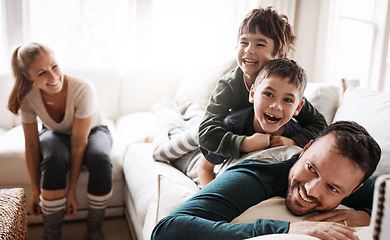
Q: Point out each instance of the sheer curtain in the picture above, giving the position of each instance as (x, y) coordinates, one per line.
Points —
(120, 33)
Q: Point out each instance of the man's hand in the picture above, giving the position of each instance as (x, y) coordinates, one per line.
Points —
(351, 218)
(257, 141)
(323, 230)
(277, 141)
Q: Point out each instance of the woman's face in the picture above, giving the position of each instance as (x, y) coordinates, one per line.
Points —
(45, 73)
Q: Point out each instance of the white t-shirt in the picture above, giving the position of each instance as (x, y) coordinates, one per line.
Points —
(81, 102)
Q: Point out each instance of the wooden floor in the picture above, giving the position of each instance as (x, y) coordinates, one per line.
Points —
(113, 229)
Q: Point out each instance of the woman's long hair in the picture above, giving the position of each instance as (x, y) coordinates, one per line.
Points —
(22, 58)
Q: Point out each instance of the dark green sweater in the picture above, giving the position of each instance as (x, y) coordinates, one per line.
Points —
(231, 95)
(207, 215)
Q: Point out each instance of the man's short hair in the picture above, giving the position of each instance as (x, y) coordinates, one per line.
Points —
(355, 143)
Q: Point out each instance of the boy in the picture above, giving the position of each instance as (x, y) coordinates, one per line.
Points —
(263, 35)
(277, 96)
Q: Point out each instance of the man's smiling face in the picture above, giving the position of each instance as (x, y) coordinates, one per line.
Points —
(321, 178)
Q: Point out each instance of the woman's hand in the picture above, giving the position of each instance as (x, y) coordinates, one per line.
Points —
(71, 204)
(35, 208)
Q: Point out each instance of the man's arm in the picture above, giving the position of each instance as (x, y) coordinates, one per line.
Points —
(209, 212)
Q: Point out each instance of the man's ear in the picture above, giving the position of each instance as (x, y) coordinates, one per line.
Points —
(299, 107)
(305, 148)
(252, 94)
(361, 185)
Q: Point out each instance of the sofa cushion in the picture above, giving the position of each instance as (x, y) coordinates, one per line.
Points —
(371, 110)
(200, 80)
(170, 195)
(107, 82)
(325, 97)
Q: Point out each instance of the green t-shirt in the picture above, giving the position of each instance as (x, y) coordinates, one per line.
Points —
(231, 94)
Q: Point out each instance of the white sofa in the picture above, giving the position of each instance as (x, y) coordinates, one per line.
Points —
(146, 190)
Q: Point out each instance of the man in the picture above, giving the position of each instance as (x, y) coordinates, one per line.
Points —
(332, 169)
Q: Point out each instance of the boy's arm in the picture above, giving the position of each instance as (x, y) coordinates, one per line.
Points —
(312, 122)
(229, 95)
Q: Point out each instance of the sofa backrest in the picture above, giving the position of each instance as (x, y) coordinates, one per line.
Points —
(371, 109)
(7, 119)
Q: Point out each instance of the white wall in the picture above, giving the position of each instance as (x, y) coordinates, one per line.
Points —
(310, 27)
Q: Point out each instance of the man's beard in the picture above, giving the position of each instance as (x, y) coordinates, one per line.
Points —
(293, 205)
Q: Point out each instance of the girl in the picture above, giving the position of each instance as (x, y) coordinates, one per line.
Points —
(72, 135)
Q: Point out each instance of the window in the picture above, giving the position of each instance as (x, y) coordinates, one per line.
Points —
(358, 42)
(122, 33)
(3, 54)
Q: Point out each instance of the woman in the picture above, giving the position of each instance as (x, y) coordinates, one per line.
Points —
(72, 135)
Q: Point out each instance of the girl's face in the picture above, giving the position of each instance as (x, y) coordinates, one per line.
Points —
(275, 101)
(45, 73)
(253, 51)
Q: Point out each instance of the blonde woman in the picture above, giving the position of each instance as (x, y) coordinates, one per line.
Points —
(72, 135)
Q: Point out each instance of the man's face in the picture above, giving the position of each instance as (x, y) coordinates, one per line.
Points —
(321, 178)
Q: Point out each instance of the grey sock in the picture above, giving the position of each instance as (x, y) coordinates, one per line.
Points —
(94, 223)
(53, 225)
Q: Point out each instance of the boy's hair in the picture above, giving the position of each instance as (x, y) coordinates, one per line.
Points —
(354, 142)
(284, 67)
(272, 25)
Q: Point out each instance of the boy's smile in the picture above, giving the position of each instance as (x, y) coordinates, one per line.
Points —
(253, 51)
(275, 102)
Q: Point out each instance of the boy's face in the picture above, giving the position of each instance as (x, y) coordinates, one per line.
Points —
(275, 102)
(253, 51)
(321, 178)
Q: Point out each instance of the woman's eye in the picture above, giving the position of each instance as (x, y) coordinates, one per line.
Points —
(55, 66)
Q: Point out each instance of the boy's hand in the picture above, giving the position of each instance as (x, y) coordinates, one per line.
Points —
(277, 141)
(257, 141)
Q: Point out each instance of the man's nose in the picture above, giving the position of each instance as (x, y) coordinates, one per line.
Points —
(313, 188)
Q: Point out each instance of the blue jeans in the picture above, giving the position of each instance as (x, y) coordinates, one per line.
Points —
(56, 160)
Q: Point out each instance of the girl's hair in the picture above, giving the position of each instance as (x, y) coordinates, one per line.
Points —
(22, 58)
(273, 25)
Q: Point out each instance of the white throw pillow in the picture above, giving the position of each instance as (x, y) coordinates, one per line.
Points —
(200, 81)
(371, 109)
(325, 97)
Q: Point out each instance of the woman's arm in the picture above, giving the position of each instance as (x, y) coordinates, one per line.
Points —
(79, 140)
(33, 162)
